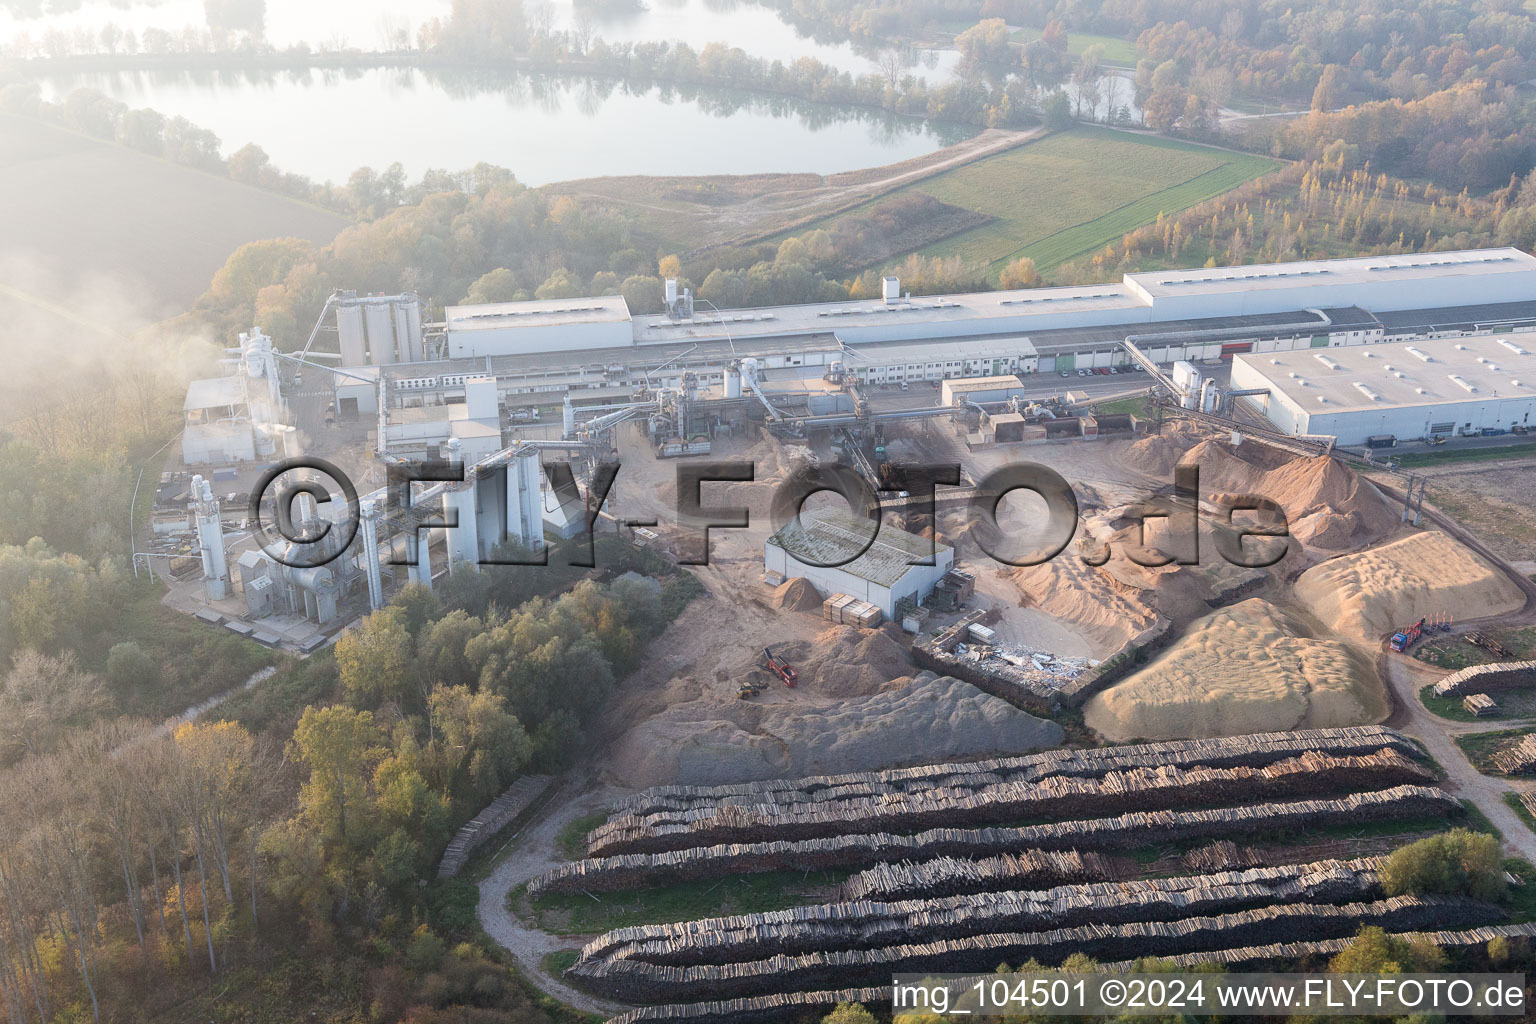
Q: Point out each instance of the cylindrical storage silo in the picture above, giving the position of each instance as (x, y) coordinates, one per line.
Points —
(349, 329)
(381, 333)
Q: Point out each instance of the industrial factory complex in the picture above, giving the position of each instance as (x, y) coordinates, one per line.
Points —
(1409, 346)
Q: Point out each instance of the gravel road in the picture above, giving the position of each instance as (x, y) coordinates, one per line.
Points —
(533, 852)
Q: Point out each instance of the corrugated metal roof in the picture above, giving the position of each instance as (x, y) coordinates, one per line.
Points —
(828, 534)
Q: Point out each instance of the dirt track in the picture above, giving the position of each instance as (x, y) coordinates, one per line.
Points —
(1405, 677)
(535, 853)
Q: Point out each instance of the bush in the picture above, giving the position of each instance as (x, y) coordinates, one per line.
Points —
(425, 951)
(849, 1013)
(129, 669)
(1458, 862)
(451, 905)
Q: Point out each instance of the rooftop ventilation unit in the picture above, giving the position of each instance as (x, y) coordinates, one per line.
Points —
(1450, 261)
(1035, 299)
(890, 289)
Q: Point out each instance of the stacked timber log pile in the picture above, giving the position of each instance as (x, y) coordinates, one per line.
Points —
(1501, 675)
(953, 876)
(642, 981)
(857, 849)
(1060, 796)
(781, 1006)
(865, 924)
(1222, 855)
(1251, 751)
(513, 801)
(1518, 758)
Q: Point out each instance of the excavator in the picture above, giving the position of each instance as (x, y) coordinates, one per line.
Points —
(780, 668)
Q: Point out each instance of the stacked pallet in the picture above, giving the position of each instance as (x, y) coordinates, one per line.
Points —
(832, 607)
(1518, 758)
(856, 850)
(864, 924)
(505, 809)
(641, 981)
(1254, 750)
(1161, 787)
(787, 1005)
(953, 876)
(1482, 678)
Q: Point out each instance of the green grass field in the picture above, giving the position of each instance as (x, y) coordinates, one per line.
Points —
(1439, 458)
(1070, 194)
(1114, 50)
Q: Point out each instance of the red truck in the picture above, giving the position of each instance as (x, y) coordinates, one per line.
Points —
(780, 668)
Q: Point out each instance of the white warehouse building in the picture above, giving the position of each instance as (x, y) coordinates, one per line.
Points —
(882, 575)
(600, 353)
(544, 325)
(1406, 390)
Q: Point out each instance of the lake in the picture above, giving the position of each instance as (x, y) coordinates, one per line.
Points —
(389, 24)
(544, 128)
(325, 124)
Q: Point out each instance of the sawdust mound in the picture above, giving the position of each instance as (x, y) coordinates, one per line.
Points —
(1368, 594)
(1091, 600)
(1243, 669)
(1157, 454)
(843, 661)
(1326, 503)
(796, 595)
(932, 719)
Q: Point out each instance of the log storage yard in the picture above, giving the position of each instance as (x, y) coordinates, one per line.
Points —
(728, 511)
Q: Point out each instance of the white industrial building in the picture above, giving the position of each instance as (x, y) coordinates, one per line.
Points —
(518, 328)
(981, 389)
(600, 353)
(1406, 390)
(882, 575)
(238, 418)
